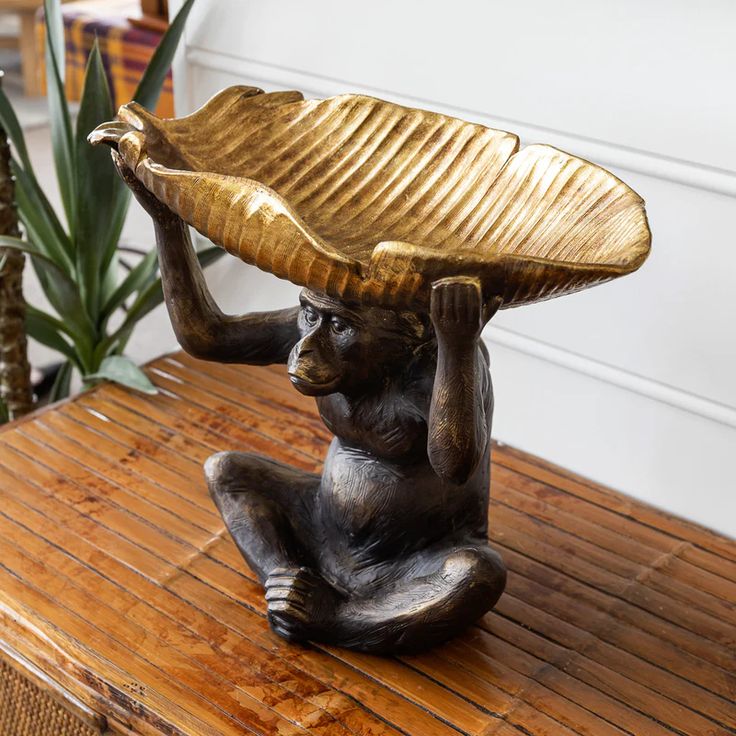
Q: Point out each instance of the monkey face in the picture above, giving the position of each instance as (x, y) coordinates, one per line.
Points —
(344, 349)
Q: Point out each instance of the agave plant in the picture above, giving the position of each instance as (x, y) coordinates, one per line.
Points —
(97, 300)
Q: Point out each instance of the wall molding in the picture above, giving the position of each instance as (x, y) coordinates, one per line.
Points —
(689, 173)
(646, 387)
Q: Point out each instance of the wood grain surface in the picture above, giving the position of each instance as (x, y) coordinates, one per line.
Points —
(118, 582)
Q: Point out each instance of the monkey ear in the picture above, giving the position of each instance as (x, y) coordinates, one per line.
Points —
(490, 308)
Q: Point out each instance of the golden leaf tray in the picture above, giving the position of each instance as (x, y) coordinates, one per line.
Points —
(370, 201)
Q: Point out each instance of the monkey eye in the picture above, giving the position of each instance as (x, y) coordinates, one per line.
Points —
(339, 327)
(310, 316)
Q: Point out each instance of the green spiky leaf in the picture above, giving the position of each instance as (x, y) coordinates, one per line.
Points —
(62, 383)
(124, 371)
(49, 331)
(147, 300)
(148, 94)
(137, 279)
(62, 138)
(60, 290)
(152, 82)
(39, 219)
(97, 182)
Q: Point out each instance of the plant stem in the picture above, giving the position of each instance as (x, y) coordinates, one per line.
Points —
(15, 372)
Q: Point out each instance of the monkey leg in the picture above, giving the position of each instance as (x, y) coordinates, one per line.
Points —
(423, 602)
(266, 506)
(443, 592)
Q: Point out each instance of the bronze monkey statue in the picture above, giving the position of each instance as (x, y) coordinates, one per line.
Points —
(387, 551)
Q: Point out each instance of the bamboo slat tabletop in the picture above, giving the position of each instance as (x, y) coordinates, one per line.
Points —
(119, 582)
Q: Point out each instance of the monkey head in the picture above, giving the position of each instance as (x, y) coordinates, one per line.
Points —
(348, 348)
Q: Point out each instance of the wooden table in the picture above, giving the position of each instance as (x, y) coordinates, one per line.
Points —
(121, 593)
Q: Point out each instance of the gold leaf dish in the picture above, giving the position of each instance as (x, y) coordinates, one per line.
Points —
(369, 201)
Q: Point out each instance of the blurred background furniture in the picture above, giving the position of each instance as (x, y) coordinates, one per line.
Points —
(128, 32)
(26, 11)
(155, 13)
(123, 597)
(127, 41)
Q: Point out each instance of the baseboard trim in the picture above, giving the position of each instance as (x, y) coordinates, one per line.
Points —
(645, 387)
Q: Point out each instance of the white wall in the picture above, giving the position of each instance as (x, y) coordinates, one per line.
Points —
(632, 383)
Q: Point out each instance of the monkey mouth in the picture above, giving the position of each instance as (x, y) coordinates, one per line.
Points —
(313, 387)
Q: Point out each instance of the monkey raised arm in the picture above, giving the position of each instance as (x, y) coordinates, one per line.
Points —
(462, 395)
(200, 326)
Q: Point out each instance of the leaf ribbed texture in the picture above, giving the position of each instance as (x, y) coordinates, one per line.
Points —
(371, 201)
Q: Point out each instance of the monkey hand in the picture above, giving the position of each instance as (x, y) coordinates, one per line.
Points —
(457, 309)
(150, 203)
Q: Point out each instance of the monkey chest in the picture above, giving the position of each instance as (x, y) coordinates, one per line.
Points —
(368, 500)
(390, 430)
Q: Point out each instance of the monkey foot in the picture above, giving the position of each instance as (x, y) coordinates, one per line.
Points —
(301, 604)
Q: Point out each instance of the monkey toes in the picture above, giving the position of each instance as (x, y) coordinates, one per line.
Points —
(301, 604)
